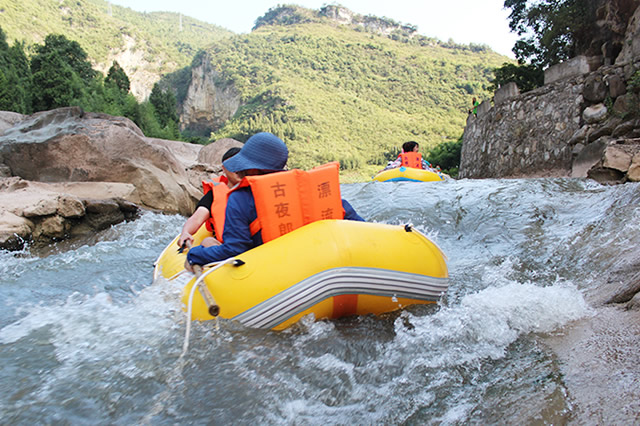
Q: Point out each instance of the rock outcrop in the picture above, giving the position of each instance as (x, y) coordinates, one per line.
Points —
(69, 145)
(208, 103)
(43, 212)
(66, 172)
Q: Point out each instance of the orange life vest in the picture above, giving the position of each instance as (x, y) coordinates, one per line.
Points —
(285, 201)
(411, 159)
(215, 223)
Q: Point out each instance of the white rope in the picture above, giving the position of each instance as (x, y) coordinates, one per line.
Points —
(185, 346)
(208, 265)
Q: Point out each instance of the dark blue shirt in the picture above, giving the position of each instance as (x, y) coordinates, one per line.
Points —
(241, 211)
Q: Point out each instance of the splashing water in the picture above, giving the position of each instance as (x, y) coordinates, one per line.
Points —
(86, 337)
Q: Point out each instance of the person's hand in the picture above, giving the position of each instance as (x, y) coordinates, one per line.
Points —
(184, 237)
(188, 266)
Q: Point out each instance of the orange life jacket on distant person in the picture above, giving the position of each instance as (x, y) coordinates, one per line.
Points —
(215, 223)
(285, 201)
(411, 159)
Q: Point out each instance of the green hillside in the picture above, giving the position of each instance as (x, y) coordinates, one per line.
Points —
(333, 91)
(337, 93)
(103, 30)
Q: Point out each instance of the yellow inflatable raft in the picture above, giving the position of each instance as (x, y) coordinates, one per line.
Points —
(330, 268)
(408, 174)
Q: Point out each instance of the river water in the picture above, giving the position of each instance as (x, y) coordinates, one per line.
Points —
(87, 338)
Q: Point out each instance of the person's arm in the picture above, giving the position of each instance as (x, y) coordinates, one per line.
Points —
(394, 164)
(192, 225)
(199, 216)
(349, 212)
(237, 235)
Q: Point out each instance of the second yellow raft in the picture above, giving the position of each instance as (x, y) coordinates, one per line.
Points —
(399, 174)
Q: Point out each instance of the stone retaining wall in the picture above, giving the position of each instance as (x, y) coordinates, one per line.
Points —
(545, 131)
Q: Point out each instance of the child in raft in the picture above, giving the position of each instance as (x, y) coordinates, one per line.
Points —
(410, 157)
(263, 153)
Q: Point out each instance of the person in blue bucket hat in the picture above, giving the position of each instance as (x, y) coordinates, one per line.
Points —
(262, 153)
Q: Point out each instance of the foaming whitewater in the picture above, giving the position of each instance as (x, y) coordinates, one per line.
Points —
(86, 337)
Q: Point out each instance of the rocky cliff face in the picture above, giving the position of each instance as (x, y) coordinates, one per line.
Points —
(209, 102)
(344, 16)
(133, 60)
(585, 121)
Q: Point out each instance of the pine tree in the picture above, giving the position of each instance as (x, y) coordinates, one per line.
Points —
(61, 73)
(164, 103)
(118, 78)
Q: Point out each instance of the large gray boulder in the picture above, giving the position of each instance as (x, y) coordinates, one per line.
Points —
(211, 154)
(69, 145)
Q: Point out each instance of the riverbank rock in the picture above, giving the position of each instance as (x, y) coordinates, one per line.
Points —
(609, 161)
(44, 212)
(69, 145)
(65, 172)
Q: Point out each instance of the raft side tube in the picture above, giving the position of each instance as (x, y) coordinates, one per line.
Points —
(302, 271)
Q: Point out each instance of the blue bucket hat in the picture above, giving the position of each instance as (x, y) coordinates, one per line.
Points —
(262, 151)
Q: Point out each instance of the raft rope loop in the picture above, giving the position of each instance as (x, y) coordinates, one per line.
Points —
(199, 282)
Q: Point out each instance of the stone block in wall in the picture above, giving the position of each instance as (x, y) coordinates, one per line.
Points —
(623, 128)
(627, 103)
(508, 91)
(634, 170)
(579, 135)
(615, 157)
(595, 89)
(571, 68)
(631, 43)
(483, 108)
(606, 176)
(588, 158)
(594, 113)
(616, 86)
(595, 62)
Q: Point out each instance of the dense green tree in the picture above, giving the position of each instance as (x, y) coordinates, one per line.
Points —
(551, 30)
(447, 156)
(527, 77)
(61, 74)
(164, 103)
(53, 83)
(118, 78)
(16, 77)
(4, 46)
(69, 52)
(21, 78)
(6, 103)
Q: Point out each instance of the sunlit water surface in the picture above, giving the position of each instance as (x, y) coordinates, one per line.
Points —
(86, 337)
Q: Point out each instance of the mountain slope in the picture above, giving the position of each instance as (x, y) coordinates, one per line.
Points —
(146, 45)
(336, 93)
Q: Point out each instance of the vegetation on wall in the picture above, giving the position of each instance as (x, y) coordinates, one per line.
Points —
(551, 31)
(527, 77)
(447, 156)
